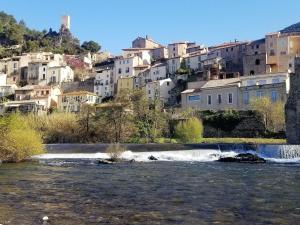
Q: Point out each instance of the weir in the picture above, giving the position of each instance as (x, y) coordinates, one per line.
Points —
(174, 152)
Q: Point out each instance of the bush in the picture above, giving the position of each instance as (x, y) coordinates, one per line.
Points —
(18, 140)
(115, 151)
(189, 131)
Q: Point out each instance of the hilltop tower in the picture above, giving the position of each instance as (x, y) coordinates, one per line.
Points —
(65, 22)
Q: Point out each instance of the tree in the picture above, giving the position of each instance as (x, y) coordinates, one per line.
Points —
(91, 46)
(189, 131)
(272, 113)
(150, 120)
(18, 140)
(115, 120)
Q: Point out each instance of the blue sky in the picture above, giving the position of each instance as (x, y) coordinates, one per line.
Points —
(115, 23)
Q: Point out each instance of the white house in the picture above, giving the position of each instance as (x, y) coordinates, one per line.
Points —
(130, 67)
(160, 89)
(43, 72)
(3, 77)
(103, 84)
(174, 64)
(59, 74)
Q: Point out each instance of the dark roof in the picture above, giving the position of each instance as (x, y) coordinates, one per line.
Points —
(295, 28)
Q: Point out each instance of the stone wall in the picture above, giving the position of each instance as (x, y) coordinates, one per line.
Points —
(292, 107)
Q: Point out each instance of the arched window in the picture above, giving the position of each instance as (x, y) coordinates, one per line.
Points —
(252, 72)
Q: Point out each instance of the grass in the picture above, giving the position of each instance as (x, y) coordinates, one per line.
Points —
(227, 141)
(244, 140)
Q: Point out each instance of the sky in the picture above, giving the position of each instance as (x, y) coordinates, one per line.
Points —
(115, 23)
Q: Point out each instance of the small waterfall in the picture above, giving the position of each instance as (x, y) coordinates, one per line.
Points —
(289, 151)
(280, 151)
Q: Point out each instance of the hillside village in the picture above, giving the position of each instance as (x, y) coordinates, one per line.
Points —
(183, 74)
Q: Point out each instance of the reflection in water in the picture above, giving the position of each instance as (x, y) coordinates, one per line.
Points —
(82, 192)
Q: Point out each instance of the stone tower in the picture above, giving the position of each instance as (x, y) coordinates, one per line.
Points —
(65, 22)
(292, 107)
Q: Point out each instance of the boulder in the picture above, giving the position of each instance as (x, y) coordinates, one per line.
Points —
(152, 158)
(243, 158)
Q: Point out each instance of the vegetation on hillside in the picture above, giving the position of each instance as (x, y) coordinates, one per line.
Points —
(16, 38)
(18, 140)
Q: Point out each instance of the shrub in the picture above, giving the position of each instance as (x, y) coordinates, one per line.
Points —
(18, 140)
(189, 131)
(115, 151)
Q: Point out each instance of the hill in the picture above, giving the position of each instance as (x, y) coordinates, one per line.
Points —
(16, 38)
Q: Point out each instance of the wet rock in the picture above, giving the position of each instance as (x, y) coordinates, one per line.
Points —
(132, 161)
(152, 158)
(243, 158)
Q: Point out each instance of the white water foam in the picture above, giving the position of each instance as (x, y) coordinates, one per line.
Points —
(182, 155)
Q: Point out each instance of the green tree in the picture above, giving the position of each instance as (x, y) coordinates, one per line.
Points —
(115, 119)
(18, 140)
(189, 131)
(91, 46)
(150, 120)
(272, 113)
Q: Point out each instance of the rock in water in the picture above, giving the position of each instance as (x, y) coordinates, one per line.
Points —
(152, 158)
(243, 158)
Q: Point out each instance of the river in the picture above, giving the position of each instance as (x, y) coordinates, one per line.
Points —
(74, 189)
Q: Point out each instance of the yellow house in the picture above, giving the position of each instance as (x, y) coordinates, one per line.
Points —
(281, 50)
(125, 83)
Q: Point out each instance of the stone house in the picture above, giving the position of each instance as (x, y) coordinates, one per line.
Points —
(254, 60)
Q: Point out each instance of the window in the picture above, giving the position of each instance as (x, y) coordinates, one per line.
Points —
(262, 82)
(15, 65)
(219, 98)
(257, 46)
(194, 98)
(257, 62)
(106, 82)
(168, 83)
(272, 52)
(260, 94)
(230, 98)
(208, 99)
(44, 76)
(290, 65)
(149, 92)
(44, 69)
(120, 71)
(169, 92)
(250, 82)
(47, 92)
(275, 80)
(274, 96)
(127, 70)
(246, 98)
(252, 72)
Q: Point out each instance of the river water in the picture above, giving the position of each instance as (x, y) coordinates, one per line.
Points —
(74, 189)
